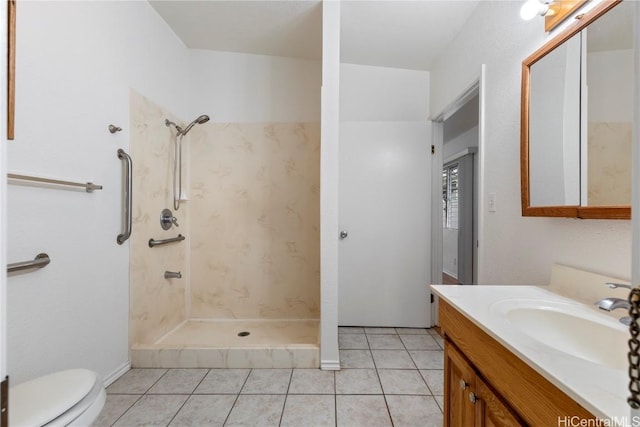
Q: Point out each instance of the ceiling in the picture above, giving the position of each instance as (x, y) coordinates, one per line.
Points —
(279, 28)
(402, 34)
(391, 33)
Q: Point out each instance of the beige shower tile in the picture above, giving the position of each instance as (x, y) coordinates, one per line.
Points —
(309, 410)
(300, 358)
(609, 163)
(151, 147)
(256, 259)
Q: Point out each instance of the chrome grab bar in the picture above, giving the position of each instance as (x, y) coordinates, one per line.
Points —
(128, 196)
(153, 242)
(88, 186)
(41, 260)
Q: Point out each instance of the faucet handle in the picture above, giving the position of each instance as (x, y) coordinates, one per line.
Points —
(612, 285)
(167, 218)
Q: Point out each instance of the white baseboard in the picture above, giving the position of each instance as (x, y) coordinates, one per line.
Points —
(330, 365)
(111, 378)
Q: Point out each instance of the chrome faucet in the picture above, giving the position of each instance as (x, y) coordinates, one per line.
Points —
(612, 303)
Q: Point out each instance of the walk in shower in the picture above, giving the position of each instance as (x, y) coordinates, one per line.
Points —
(249, 292)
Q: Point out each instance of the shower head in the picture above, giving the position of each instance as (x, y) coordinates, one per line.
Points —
(200, 120)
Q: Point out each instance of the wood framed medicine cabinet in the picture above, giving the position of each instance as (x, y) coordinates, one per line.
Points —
(556, 179)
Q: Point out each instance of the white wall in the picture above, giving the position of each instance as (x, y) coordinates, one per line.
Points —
(369, 93)
(75, 64)
(450, 252)
(459, 143)
(329, 167)
(516, 249)
(244, 88)
(610, 97)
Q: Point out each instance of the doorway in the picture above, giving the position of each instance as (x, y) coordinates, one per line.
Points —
(384, 184)
(457, 136)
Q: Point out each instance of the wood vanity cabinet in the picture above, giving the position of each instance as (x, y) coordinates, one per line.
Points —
(487, 385)
(469, 401)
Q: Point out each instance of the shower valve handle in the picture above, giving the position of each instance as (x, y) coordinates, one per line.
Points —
(167, 218)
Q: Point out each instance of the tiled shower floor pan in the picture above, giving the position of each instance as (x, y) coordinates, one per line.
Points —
(225, 344)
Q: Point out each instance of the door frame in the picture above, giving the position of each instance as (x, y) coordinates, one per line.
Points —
(477, 87)
(4, 379)
(3, 207)
(635, 170)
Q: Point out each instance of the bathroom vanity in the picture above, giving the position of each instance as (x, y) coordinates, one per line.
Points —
(522, 355)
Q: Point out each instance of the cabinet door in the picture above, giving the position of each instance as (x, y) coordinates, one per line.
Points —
(490, 410)
(459, 381)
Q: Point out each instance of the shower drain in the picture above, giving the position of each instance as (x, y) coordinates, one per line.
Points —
(243, 333)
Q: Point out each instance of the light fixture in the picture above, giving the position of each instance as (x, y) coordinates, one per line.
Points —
(533, 8)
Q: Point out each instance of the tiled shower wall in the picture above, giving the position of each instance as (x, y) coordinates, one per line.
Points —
(157, 305)
(255, 221)
(252, 222)
(609, 163)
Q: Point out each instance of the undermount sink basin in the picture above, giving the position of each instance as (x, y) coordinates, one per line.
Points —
(571, 328)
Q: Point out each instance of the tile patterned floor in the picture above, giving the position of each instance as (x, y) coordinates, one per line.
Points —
(389, 377)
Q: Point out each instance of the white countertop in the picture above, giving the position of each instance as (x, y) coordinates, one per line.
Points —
(600, 389)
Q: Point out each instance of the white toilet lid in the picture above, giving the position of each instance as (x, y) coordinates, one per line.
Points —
(37, 402)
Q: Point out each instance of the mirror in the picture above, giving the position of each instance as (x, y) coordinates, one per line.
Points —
(576, 119)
